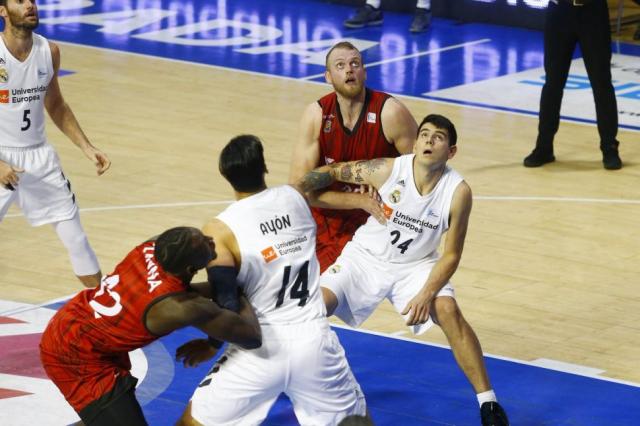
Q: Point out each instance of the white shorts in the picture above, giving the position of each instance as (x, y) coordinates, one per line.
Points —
(43, 193)
(360, 282)
(305, 361)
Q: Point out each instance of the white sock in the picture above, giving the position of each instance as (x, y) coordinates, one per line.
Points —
(375, 3)
(488, 396)
(422, 4)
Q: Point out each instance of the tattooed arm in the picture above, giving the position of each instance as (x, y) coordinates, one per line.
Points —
(372, 172)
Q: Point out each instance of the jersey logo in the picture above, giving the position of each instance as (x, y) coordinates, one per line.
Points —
(327, 160)
(42, 74)
(387, 211)
(371, 117)
(432, 213)
(394, 197)
(4, 96)
(327, 126)
(2, 62)
(334, 269)
(269, 254)
(4, 75)
(401, 182)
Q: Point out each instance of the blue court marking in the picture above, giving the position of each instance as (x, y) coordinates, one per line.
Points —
(411, 383)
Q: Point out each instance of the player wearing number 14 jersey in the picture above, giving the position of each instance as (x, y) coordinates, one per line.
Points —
(268, 237)
(423, 200)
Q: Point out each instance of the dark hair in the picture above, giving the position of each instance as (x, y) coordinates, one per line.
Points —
(242, 163)
(441, 122)
(176, 248)
(340, 45)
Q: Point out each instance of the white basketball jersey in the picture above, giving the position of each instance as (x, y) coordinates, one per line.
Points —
(23, 86)
(279, 270)
(415, 223)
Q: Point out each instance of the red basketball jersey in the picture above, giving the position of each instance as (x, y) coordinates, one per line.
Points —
(365, 142)
(86, 344)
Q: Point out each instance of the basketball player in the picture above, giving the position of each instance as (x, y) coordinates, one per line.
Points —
(84, 349)
(30, 173)
(351, 123)
(267, 239)
(422, 199)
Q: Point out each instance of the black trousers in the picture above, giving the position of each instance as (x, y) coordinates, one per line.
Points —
(565, 26)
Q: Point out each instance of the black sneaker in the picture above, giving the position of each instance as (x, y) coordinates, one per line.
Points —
(365, 15)
(492, 414)
(421, 20)
(611, 159)
(539, 157)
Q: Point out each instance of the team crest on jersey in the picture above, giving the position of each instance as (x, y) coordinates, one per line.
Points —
(4, 96)
(269, 254)
(371, 117)
(334, 269)
(394, 197)
(327, 125)
(4, 75)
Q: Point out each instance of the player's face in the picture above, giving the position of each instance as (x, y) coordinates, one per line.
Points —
(346, 72)
(432, 145)
(21, 14)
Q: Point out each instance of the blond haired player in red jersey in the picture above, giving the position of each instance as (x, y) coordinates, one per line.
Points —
(351, 123)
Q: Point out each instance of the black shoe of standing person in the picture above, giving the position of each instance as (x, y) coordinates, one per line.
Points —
(539, 157)
(421, 20)
(611, 158)
(492, 414)
(365, 15)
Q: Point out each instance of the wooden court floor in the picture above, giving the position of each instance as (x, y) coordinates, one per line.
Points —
(551, 267)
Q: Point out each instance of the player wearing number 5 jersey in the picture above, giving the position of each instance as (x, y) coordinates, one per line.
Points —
(30, 172)
(268, 237)
(422, 198)
(85, 348)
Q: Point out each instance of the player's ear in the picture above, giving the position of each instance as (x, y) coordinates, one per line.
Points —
(452, 151)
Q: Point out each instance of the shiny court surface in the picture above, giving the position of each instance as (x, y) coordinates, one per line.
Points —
(550, 271)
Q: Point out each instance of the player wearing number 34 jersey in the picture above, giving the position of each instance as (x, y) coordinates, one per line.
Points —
(269, 237)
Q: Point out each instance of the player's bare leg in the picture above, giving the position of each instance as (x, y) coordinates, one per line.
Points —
(463, 341)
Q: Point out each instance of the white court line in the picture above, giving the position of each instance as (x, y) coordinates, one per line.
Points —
(477, 197)
(413, 55)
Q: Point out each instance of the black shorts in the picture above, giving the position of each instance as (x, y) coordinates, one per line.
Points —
(118, 407)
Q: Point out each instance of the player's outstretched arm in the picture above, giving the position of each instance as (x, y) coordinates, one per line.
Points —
(363, 172)
(418, 307)
(65, 120)
(189, 308)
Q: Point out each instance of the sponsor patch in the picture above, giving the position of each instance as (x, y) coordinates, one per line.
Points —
(371, 117)
(269, 254)
(4, 96)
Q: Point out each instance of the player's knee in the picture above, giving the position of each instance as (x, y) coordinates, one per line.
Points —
(330, 300)
(446, 310)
